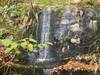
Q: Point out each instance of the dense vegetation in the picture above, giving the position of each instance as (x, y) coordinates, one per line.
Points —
(13, 40)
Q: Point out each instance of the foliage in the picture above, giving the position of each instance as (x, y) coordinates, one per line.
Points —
(27, 44)
(11, 18)
(5, 59)
(16, 51)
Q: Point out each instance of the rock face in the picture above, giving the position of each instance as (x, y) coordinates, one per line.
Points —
(68, 36)
(97, 2)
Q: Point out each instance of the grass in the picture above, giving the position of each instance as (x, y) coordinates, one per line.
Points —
(49, 2)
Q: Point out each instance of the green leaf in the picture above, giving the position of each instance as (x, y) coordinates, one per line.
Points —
(39, 46)
(6, 42)
(30, 47)
(32, 40)
(35, 45)
(14, 45)
(8, 50)
(49, 43)
(23, 40)
(17, 52)
(24, 45)
(45, 45)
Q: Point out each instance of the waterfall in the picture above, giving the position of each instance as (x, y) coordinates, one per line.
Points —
(45, 32)
(61, 30)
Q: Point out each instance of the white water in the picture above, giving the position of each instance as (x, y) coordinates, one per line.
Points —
(45, 32)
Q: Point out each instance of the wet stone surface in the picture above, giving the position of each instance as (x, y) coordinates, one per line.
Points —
(69, 37)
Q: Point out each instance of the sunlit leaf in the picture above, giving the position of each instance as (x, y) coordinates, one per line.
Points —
(39, 46)
(8, 50)
(30, 47)
(14, 45)
(32, 40)
(6, 42)
(17, 52)
(24, 45)
(44, 45)
(49, 43)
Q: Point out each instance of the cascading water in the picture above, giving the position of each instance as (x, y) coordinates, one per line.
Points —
(45, 32)
(66, 28)
(46, 54)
